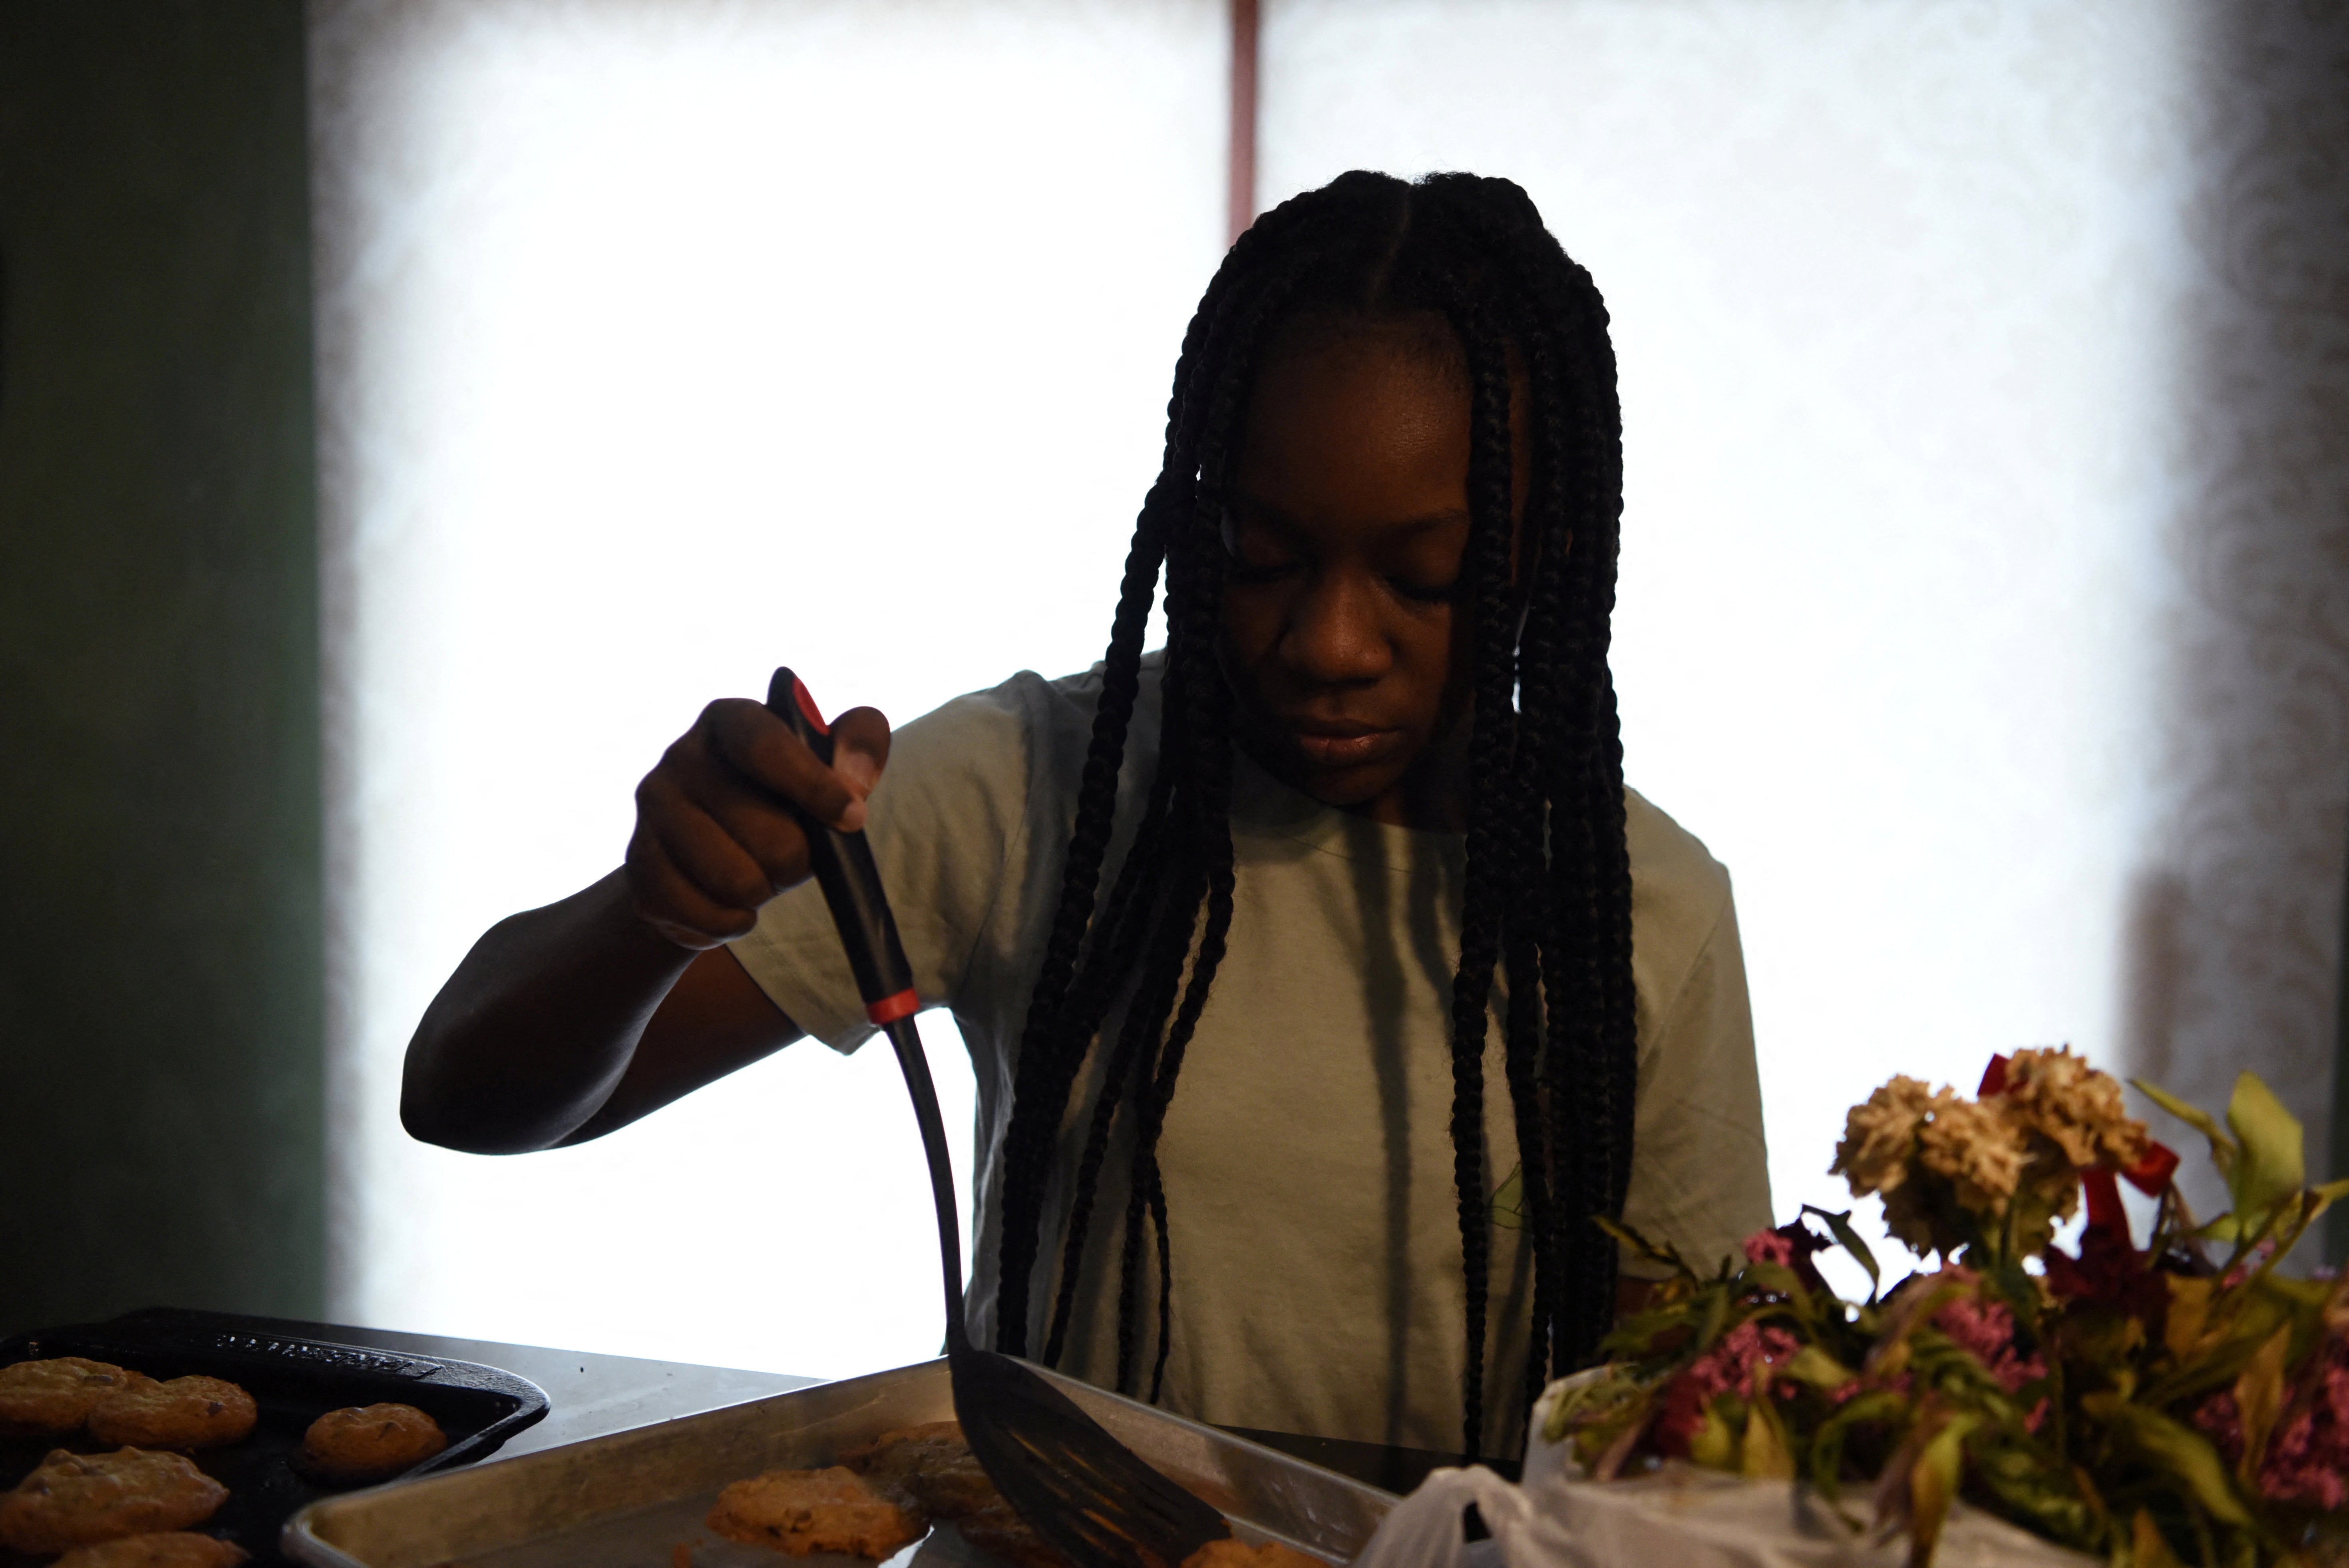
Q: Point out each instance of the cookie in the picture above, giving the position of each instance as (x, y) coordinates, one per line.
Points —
(1231, 1553)
(79, 1500)
(805, 1511)
(184, 1413)
(54, 1397)
(930, 1467)
(174, 1550)
(370, 1442)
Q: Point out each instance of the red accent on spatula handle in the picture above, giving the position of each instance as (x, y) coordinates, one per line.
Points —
(843, 863)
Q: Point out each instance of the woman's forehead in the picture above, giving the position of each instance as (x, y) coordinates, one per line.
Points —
(1422, 337)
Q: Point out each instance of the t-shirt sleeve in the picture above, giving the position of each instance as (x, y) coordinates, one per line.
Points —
(944, 822)
(1700, 1173)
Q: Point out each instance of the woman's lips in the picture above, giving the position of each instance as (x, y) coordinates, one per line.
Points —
(1342, 745)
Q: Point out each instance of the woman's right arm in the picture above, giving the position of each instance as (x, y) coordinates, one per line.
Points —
(566, 1021)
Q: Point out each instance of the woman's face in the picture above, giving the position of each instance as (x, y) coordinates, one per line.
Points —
(1345, 650)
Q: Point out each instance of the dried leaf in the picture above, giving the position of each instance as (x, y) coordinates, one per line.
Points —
(1849, 1239)
(2185, 1454)
(2189, 1311)
(1509, 1206)
(1714, 1445)
(2148, 1548)
(1640, 1245)
(1826, 1448)
(1611, 1459)
(2270, 1167)
(1815, 1366)
(1934, 1486)
(1766, 1454)
(1915, 1303)
(1774, 1277)
(2259, 1399)
(2222, 1147)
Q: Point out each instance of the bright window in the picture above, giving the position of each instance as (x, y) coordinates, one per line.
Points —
(662, 344)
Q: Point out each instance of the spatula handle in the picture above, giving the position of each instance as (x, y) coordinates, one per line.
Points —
(843, 863)
(844, 869)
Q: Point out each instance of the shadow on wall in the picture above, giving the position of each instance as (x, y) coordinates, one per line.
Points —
(2233, 939)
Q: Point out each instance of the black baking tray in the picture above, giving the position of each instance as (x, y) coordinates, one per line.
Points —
(294, 1378)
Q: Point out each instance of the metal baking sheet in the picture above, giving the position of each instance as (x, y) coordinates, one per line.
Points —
(294, 1377)
(631, 1499)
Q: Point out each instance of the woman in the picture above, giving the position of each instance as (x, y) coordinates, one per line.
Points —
(1322, 979)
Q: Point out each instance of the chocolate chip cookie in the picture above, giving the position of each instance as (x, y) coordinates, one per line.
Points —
(79, 1500)
(184, 1413)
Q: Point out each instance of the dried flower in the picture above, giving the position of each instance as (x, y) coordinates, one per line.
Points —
(2307, 1461)
(1985, 1331)
(1879, 1136)
(1954, 1172)
(2308, 1457)
(2112, 1275)
(2065, 1100)
(1979, 1149)
(1738, 1363)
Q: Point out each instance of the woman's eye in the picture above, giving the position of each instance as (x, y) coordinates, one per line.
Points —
(1254, 560)
(1425, 593)
(1244, 570)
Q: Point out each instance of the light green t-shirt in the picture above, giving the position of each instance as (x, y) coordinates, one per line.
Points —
(1307, 1158)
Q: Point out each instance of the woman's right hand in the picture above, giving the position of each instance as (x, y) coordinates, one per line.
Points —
(715, 837)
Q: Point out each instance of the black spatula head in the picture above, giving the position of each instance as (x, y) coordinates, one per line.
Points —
(1075, 1485)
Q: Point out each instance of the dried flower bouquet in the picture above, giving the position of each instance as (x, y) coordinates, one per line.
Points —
(2152, 1406)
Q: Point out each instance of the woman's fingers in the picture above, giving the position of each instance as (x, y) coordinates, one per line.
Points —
(714, 861)
(672, 905)
(763, 751)
(716, 834)
(860, 743)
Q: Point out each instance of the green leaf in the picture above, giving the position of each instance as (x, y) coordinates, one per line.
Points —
(1849, 1239)
(1766, 1454)
(1509, 1206)
(1934, 1486)
(1877, 1404)
(2034, 1491)
(2259, 1399)
(2225, 1227)
(2185, 1454)
(2317, 1200)
(1776, 1278)
(2146, 1547)
(2222, 1147)
(1655, 1253)
(1714, 1445)
(2271, 1166)
(1815, 1366)
(1713, 1319)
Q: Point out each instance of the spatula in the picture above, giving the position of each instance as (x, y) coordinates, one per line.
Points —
(1075, 1485)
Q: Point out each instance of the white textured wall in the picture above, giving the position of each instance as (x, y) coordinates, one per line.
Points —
(1985, 587)
(661, 342)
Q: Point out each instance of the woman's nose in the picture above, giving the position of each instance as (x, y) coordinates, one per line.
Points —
(1334, 637)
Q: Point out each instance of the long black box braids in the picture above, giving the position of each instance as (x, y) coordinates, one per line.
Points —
(1549, 892)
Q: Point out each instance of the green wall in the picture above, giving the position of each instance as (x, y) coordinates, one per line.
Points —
(160, 888)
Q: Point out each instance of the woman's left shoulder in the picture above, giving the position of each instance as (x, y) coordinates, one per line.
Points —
(1674, 877)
